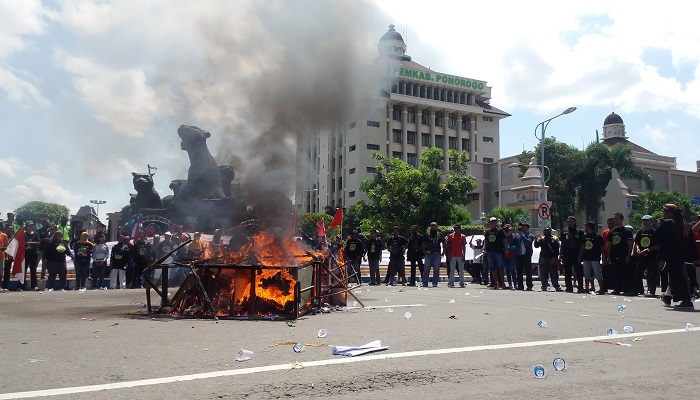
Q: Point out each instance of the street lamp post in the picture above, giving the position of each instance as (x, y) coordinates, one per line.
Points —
(98, 202)
(543, 124)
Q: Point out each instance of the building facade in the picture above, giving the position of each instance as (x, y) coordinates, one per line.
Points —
(413, 108)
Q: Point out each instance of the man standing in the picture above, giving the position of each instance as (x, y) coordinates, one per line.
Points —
(31, 252)
(549, 253)
(433, 247)
(45, 233)
(397, 245)
(374, 256)
(415, 253)
(4, 242)
(495, 249)
(64, 228)
(608, 278)
(621, 242)
(354, 250)
(589, 256)
(118, 261)
(572, 238)
(646, 259)
(458, 245)
(142, 257)
(523, 256)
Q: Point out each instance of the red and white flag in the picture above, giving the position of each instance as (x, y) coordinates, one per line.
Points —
(337, 218)
(136, 230)
(321, 228)
(16, 249)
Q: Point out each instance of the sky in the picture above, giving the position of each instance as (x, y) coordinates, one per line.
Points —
(91, 91)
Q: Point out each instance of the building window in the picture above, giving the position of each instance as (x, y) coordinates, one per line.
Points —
(396, 154)
(487, 139)
(411, 137)
(425, 139)
(351, 171)
(333, 185)
(371, 170)
(439, 119)
(425, 117)
(452, 142)
(397, 135)
(473, 196)
(465, 144)
(353, 124)
(340, 162)
(373, 124)
(396, 113)
(465, 122)
(412, 159)
(412, 115)
(488, 160)
(351, 194)
(488, 119)
(352, 148)
(340, 183)
(439, 141)
(371, 146)
(452, 121)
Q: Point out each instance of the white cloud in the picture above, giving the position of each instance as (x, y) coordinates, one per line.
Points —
(6, 170)
(19, 19)
(48, 189)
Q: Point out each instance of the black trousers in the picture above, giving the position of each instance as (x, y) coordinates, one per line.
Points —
(620, 274)
(678, 281)
(571, 266)
(31, 260)
(523, 265)
(651, 266)
(415, 262)
(56, 268)
(475, 271)
(7, 268)
(396, 265)
(549, 270)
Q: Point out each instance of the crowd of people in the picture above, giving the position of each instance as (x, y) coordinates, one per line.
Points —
(48, 246)
(664, 253)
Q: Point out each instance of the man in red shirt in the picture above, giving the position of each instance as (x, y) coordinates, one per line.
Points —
(457, 245)
(607, 271)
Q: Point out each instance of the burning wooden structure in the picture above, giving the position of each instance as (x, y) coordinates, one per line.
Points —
(257, 277)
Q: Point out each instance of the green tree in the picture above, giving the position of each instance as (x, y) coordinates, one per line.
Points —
(563, 162)
(36, 210)
(400, 195)
(651, 202)
(508, 216)
(596, 172)
(308, 223)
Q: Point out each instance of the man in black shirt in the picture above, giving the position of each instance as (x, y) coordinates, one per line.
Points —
(646, 259)
(45, 233)
(494, 248)
(396, 245)
(590, 254)
(549, 252)
(415, 253)
(374, 256)
(354, 251)
(433, 248)
(621, 243)
(31, 252)
(572, 238)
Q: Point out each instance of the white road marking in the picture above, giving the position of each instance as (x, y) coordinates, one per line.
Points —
(337, 360)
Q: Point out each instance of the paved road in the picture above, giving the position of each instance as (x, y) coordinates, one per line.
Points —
(72, 341)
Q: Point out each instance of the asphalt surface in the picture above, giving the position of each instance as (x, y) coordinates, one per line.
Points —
(70, 341)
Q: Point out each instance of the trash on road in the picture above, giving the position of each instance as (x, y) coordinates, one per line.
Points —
(298, 347)
(611, 331)
(542, 324)
(351, 351)
(540, 372)
(407, 315)
(322, 333)
(689, 326)
(243, 355)
(621, 307)
(559, 364)
(628, 329)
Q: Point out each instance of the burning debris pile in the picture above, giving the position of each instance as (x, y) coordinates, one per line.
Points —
(263, 276)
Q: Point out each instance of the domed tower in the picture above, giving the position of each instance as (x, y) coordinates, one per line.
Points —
(613, 127)
(391, 44)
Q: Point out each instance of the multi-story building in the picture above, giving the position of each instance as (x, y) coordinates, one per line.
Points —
(413, 108)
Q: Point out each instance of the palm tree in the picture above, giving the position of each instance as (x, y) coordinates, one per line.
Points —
(508, 216)
(590, 182)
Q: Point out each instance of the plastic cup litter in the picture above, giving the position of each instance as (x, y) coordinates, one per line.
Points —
(298, 348)
(389, 310)
(542, 324)
(689, 326)
(386, 299)
(322, 333)
(243, 355)
(452, 301)
(628, 329)
(559, 364)
(407, 315)
(539, 371)
(354, 304)
(612, 331)
(621, 307)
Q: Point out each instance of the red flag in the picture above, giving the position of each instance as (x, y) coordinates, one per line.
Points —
(136, 230)
(17, 251)
(321, 229)
(337, 218)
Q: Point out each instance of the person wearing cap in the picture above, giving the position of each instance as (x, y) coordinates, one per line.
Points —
(165, 246)
(548, 265)
(457, 244)
(433, 247)
(571, 241)
(397, 245)
(415, 253)
(621, 244)
(31, 252)
(670, 238)
(523, 256)
(495, 249)
(509, 256)
(119, 259)
(589, 257)
(646, 259)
